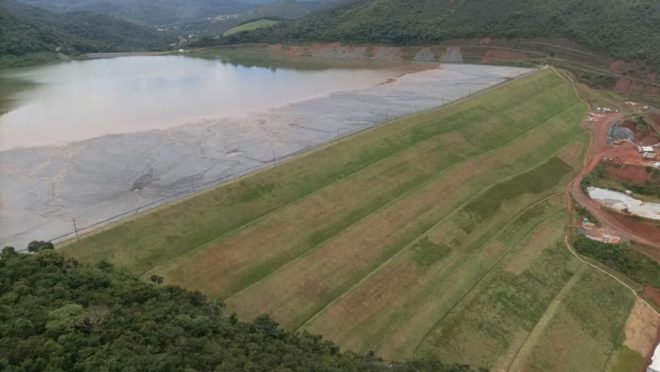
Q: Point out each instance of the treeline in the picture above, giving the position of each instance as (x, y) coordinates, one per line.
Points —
(622, 258)
(628, 30)
(27, 31)
(57, 314)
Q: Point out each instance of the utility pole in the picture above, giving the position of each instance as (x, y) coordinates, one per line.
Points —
(75, 228)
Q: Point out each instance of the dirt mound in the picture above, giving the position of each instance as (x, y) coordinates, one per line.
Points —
(452, 55)
(649, 230)
(651, 294)
(645, 137)
(503, 55)
(627, 85)
(627, 173)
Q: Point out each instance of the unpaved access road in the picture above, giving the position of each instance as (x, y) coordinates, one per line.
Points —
(599, 149)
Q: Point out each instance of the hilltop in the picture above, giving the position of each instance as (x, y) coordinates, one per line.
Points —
(150, 12)
(31, 34)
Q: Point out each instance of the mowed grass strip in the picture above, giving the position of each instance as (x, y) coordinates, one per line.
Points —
(508, 303)
(392, 311)
(298, 290)
(157, 237)
(231, 263)
(585, 331)
(533, 147)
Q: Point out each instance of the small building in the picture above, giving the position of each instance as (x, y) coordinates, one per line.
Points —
(647, 148)
(649, 155)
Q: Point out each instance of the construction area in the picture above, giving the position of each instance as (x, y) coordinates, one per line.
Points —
(623, 156)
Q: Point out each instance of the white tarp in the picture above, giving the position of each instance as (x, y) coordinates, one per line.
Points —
(620, 201)
(655, 361)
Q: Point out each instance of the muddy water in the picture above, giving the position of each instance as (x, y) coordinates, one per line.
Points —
(85, 99)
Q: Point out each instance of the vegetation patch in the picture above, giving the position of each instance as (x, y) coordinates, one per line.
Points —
(250, 26)
(425, 252)
(60, 315)
(622, 258)
(534, 181)
(592, 315)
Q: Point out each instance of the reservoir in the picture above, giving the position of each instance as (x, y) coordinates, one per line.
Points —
(102, 140)
(84, 99)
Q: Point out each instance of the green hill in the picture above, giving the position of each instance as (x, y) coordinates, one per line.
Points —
(252, 25)
(622, 29)
(151, 12)
(59, 315)
(27, 31)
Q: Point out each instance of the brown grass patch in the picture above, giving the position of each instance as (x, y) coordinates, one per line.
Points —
(222, 264)
(361, 307)
(545, 236)
(571, 153)
(294, 293)
(642, 328)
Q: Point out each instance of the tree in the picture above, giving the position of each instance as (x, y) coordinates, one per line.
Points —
(38, 246)
(158, 280)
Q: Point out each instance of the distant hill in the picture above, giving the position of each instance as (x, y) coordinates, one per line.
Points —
(285, 9)
(623, 29)
(280, 10)
(151, 12)
(170, 12)
(26, 31)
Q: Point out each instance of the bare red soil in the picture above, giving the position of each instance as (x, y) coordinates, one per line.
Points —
(623, 154)
(627, 173)
(647, 138)
(502, 55)
(652, 294)
(635, 77)
(649, 230)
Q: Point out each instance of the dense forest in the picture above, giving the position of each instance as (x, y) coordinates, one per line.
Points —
(57, 314)
(623, 29)
(151, 12)
(27, 31)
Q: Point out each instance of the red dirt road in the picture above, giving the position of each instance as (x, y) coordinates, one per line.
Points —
(598, 150)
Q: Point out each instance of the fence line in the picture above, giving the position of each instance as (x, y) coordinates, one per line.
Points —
(204, 186)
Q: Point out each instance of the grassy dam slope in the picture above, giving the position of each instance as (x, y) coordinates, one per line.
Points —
(437, 234)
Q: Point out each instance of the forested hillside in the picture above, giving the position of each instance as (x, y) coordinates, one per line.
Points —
(56, 314)
(27, 30)
(152, 12)
(620, 28)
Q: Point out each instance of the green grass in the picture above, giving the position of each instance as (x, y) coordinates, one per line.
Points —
(505, 305)
(628, 360)
(592, 317)
(394, 239)
(250, 26)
